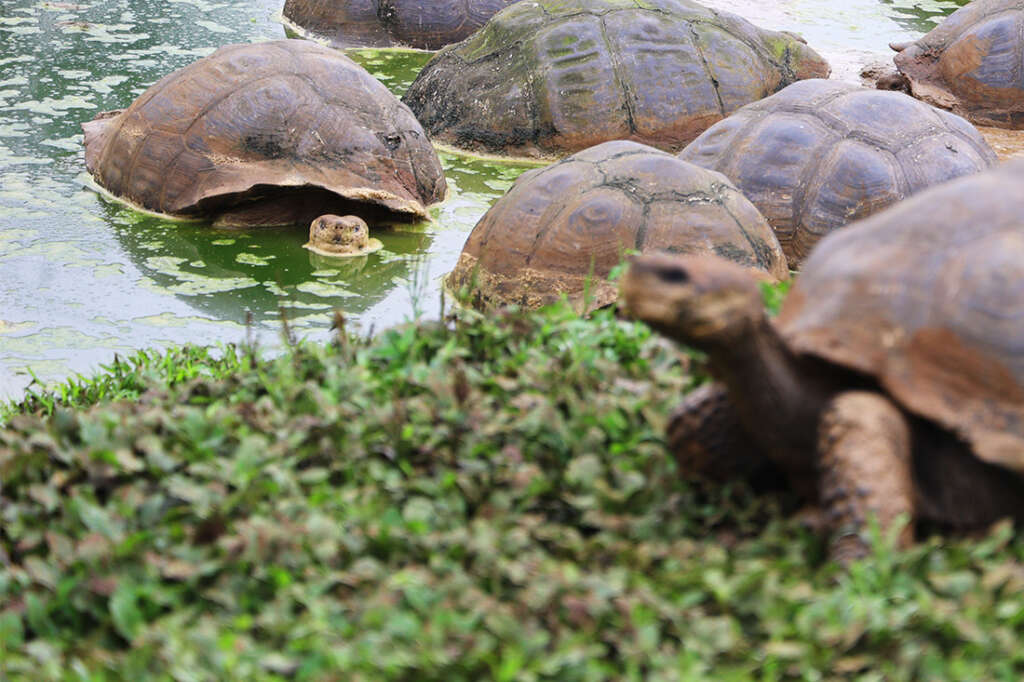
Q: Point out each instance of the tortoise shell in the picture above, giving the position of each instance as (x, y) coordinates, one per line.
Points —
(425, 24)
(928, 298)
(561, 229)
(820, 154)
(549, 77)
(254, 124)
(972, 63)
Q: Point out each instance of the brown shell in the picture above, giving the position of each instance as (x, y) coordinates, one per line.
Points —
(424, 24)
(561, 229)
(928, 296)
(550, 77)
(251, 119)
(972, 63)
(820, 154)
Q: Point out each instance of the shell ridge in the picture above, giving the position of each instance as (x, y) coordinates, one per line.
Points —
(626, 88)
(721, 190)
(810, 172)
(707, 68)
(185, 135)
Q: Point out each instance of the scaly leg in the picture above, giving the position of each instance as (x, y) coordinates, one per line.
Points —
(707, 440)
(865, 459)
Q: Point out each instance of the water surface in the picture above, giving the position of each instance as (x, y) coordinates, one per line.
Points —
(83, 277)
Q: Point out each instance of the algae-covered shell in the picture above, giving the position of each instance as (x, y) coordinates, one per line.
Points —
(273, 132)
(548, 77)
(821, 154)
(424, 24)
(561, 229)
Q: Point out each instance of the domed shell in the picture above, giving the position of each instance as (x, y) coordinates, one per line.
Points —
(928, 297)
(821, 154)
(425, 24)
(561, 229)
(548, 77)
(266, 121)
(972, 63)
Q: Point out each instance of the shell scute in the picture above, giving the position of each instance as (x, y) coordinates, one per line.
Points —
(583, 72)
(972, 63)
(283, 114)
(928, 297)
(424, 24)
(561, 229)
(820, 154)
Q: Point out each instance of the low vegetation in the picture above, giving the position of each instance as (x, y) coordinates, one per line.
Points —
(485, 498)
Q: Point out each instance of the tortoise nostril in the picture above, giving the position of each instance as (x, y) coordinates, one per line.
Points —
(675, 275)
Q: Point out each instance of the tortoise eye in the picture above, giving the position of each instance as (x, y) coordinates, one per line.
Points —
(675, 275)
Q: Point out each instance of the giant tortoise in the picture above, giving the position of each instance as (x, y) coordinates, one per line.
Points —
(892, 381)
(820, 154)
(550, 77)
(971, 63)
(271, 133)
(561, 229)
(424, 24)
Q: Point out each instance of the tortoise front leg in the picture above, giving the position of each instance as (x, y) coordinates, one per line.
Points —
(865, 459)
(707, 440)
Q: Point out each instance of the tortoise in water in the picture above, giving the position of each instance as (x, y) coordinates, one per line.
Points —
(341, 236)
(270, 133)
(550, 77)
(561, 229)
(820, 154)
(970, 63)
(424, 24)
(891, 383)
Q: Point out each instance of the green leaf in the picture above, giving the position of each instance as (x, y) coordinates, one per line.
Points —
(124, 609)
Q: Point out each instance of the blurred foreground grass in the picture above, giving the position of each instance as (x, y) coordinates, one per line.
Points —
(487, 498)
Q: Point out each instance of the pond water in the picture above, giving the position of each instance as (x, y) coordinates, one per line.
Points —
(83, 277)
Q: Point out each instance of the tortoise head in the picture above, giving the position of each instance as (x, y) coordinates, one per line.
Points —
(339, 234)
(699, 300)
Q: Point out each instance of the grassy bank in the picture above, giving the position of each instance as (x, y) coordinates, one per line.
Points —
(488, 498)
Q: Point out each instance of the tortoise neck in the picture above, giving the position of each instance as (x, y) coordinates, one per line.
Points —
(778, 399)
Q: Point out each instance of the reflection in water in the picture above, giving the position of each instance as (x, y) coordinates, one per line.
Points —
(921, 17)
(250, 275)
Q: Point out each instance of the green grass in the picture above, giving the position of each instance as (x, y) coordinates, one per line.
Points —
(487, 498)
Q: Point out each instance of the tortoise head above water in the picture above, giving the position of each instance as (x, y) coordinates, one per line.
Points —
(702, 300)
(332, 235)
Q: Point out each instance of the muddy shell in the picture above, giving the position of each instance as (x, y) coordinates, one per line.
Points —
(927, 299)
(424, 24)
(561, 229)
(821, 154)
(971, 63)
(547, 77)
(269, 133)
